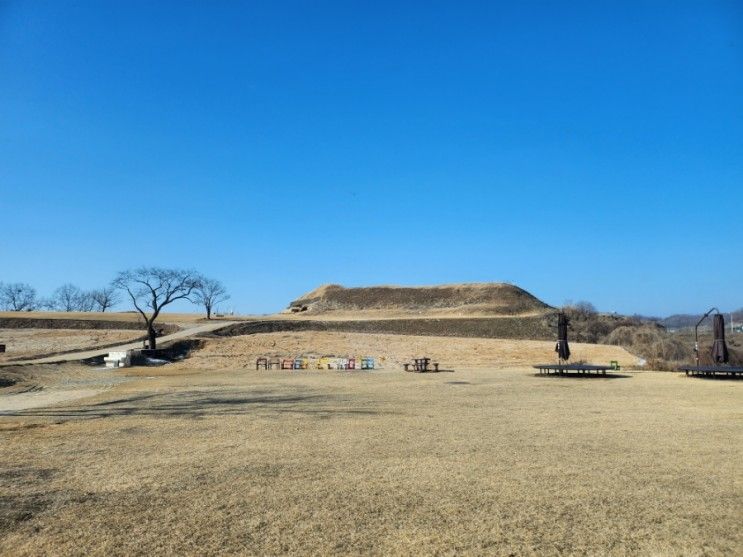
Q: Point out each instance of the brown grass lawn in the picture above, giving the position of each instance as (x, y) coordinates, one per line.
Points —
(391, 351)
(96, 315)
(28, 343)
(180, 460)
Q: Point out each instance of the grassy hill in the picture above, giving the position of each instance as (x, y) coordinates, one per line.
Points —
(461, 300)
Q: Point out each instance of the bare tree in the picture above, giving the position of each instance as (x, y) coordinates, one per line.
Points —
(69, 297)
(586, 308)
(210, 293)
(582, 309)
(105, 298)
(17, 297)
(85, 302)
(153, 288)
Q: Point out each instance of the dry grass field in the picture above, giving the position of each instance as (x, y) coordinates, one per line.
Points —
(28, 343)
(391, 351)
(203, 458)
(127, 316)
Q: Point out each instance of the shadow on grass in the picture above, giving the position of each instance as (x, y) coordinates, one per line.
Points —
(583, 375)
(16, 509)
(718, 377)
(199, 404)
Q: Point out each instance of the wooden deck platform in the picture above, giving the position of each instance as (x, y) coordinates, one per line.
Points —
(565, 369)
(713, 371)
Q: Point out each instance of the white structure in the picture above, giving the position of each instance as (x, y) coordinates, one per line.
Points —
(119, 359)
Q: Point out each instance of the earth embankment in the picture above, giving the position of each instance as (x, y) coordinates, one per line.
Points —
(536, 328)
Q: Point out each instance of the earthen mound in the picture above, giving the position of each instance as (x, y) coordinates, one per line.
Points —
(450, 299)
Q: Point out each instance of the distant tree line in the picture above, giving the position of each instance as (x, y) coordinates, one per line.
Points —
(149, 289)
(68, 297)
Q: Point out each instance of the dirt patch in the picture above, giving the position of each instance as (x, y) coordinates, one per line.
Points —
(40, 386)
(19, 426)
(12, 404)
(16, 510)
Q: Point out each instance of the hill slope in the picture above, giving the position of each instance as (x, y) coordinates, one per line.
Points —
(486, 299)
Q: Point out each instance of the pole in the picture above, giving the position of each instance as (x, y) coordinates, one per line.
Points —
(696, 333)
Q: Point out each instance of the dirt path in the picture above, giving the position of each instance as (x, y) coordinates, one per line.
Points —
(85, 354)
(38, 399)
(50, 385)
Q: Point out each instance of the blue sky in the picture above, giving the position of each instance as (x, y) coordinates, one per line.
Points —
(582, 150)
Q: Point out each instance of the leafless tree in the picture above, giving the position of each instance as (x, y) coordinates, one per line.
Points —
(69, 297)
(210, 293)
(585, 308)
(153, 288)
(105, 298)
(17, 297)
(86, 302)
(581, 309)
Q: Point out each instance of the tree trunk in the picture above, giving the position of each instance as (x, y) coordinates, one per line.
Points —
(152, 337)
(208, 312)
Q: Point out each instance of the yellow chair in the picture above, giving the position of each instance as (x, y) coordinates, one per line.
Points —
(323, 363)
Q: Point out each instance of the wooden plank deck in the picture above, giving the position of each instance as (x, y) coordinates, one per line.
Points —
(710, 371)
(563, 369)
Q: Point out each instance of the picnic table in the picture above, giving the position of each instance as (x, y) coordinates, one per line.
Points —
(422, 365)
(711, 371)
(564, 369)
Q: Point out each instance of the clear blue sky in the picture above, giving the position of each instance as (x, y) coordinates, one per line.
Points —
(582, 150)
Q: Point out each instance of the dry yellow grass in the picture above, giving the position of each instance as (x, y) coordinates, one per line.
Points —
(28, 343)
(393, 350)
(184, 460)
(99, 316)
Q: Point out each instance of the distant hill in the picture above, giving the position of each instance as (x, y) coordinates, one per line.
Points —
(681, 321)
(456, 300)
